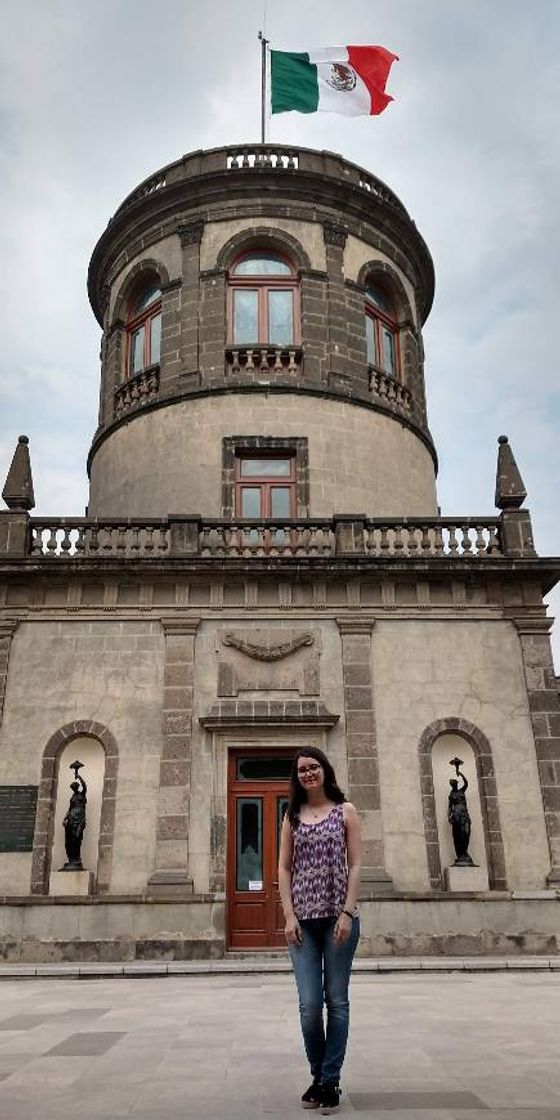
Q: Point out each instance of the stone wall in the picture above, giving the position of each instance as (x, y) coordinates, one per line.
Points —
(110, 673)
(170, 460)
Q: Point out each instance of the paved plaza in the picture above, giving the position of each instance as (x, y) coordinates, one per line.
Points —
(442, 1046)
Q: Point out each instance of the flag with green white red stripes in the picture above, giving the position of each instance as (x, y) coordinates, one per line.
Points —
(348, 80)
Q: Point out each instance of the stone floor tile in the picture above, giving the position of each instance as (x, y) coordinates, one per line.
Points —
(87, 1042)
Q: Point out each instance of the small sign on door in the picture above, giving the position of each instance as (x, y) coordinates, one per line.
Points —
(255, 885)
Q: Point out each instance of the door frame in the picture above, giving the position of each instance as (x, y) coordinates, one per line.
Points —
(251, 750)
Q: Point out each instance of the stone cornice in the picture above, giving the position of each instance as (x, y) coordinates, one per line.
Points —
(355, 625)
(180, 626)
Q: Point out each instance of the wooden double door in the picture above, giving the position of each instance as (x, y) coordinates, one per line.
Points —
(258, 783)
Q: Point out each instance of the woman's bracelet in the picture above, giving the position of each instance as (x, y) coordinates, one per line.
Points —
(348, 914)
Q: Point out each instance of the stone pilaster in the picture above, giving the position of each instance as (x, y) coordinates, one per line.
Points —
(542, 691)
(7, 631)
(212, 335)
(172, 827)
(361, 745)
(314, 319)
(113, 370)
(191, 236)
(335, 240)
(170, 357)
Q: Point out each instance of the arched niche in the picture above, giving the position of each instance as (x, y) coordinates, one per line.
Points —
(89, 751)
(72, 736)
(462, 738)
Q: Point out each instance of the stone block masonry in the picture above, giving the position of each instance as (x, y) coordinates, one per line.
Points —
(171, 872)
(363, 766)
(544, 705)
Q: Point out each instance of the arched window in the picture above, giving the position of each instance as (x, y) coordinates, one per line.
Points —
(263, 301)
(144, 329)
(381, 331)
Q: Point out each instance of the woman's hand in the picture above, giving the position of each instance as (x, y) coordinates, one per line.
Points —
(342, 929)
(293, 931)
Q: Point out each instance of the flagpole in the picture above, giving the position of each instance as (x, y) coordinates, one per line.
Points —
(264, 45)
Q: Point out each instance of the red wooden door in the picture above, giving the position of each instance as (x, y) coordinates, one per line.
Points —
(257, 799)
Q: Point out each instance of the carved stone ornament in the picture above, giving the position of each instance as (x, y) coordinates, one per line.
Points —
(191, 233)
(269, 660)
(334, 234)
(269, 653)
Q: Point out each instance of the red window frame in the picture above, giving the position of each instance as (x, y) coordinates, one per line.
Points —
(265, 483)
(134, 324)
(381, 320)
(263, 285)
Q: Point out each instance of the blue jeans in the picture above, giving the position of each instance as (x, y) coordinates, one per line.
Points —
(322, 971)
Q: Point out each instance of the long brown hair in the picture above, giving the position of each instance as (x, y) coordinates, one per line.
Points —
(298, 795)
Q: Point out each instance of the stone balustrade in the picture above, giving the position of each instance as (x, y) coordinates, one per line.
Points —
(442, 537)
(137, 390)
(75, 536)
(390, 391)
(263, 359)
(267, 538)
(264, 157)
(415, 538)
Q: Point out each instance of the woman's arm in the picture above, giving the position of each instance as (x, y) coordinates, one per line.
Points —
(353, 854)
(293, 930)
(343, 926)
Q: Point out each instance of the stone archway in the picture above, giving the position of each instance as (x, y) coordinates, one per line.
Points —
(48, 788)
(488, 798)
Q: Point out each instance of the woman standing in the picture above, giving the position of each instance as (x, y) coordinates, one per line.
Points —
(319, 876)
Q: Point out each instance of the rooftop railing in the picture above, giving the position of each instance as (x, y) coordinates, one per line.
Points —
(264, 157)
(450, 538)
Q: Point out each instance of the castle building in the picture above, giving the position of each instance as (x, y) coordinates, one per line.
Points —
(263, 566)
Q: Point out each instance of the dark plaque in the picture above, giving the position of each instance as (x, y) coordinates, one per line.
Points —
(18, 806)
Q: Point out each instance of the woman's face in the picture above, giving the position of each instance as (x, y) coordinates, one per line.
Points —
(310, 772)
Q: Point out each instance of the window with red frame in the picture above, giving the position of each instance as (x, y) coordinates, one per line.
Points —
(263, 301)
(144, 330)
(381, 332)
(265, 487)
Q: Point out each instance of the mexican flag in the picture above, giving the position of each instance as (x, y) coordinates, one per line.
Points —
(349, 80)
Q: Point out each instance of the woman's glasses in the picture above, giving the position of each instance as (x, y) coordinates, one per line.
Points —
(313, 768)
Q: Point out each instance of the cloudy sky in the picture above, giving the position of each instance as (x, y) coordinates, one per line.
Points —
(93, 97)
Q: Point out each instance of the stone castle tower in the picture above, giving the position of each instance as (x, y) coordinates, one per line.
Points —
(263, 566)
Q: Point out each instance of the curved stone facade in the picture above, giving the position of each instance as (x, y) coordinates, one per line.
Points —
(171, 460)
(340, 227)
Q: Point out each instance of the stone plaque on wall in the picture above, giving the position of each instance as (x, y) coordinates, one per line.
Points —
(18, 806)
(269, 659)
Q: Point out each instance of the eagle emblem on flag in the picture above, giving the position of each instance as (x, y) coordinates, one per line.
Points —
(342, 78)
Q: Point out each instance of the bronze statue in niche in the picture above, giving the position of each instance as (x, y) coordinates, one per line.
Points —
(74, 822)
(458, 816)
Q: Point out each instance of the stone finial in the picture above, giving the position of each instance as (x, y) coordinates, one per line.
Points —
(18, 490)
(510, 489)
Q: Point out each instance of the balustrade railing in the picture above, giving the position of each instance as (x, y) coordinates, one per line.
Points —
(387, 389)
(263, 359)
(137, 390)
(271, 157)
(266, 538)
(445, 536)
(283, 159)
(75, 536)
(416, 538)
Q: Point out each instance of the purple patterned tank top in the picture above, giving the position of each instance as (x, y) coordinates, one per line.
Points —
(319, 868)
